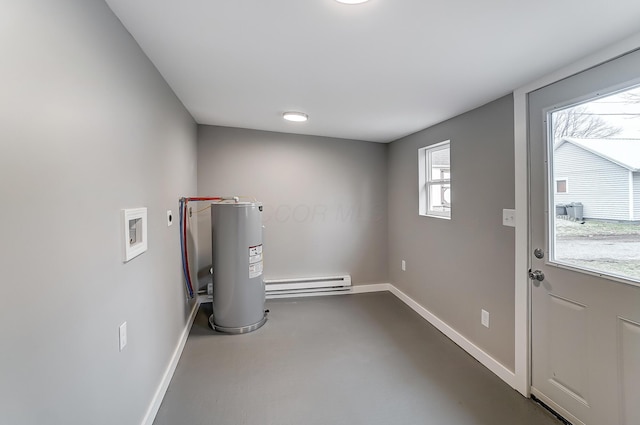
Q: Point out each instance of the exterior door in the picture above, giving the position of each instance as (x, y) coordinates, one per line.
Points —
(584, 279)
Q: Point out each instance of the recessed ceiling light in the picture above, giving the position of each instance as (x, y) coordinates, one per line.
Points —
(351, 1)
(295, 116)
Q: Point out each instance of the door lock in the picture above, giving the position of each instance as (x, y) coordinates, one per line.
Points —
(538, 253)
(536, 275)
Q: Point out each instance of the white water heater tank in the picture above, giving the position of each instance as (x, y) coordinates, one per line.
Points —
(238, 285)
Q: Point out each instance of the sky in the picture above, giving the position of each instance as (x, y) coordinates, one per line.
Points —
(620, 112)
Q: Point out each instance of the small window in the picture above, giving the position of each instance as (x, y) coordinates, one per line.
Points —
(434, 173)
(562, 186)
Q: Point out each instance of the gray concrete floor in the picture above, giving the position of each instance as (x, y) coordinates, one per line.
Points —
(349, 359)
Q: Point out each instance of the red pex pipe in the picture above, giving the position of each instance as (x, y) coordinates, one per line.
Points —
(203, 199)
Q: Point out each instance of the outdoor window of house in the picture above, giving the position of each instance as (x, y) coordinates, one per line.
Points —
(561, 186)
(434, 173)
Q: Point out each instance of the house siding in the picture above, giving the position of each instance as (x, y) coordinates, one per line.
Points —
(601, 185)
(636, 196)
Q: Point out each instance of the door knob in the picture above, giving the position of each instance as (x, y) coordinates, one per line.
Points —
(536, 275)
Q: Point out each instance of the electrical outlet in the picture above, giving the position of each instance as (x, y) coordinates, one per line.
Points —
(123, 335)
(169, 218)
(209, 288)
(404, 266)
(484, 318)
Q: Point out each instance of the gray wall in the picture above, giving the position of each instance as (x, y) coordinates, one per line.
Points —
(601, 185)
(457, 267)
(325, 199)
(87, 127)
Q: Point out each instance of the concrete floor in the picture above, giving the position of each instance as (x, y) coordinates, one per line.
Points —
(349, 359)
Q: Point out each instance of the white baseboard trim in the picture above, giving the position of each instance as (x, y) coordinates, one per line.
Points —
(205, 298)
(156, 401)
(476, 352)
(373, 287)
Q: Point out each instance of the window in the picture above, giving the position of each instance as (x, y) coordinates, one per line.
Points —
(434, 173)
(594, 219)
(562, 186)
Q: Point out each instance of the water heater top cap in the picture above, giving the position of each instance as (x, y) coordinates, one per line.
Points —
(237, 204)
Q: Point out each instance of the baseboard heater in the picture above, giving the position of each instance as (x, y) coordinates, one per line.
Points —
(306, 286)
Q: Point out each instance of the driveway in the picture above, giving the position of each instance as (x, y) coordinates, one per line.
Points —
(609, 248)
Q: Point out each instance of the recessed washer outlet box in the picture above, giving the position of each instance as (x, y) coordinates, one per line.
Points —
(134, 223)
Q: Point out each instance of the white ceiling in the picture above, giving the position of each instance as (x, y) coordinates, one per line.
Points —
(376, 71)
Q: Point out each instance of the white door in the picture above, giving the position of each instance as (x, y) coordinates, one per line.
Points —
(585, 258)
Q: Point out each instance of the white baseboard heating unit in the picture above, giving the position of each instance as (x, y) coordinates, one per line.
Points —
(280, 288)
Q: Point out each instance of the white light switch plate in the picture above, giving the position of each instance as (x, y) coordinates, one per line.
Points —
(484, 318)
(404, 265)
(509, 218)
(123, 335)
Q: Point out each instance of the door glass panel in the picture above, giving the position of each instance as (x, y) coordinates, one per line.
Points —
(595, 185)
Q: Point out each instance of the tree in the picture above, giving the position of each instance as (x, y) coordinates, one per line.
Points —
(632, 97)
(580, 123)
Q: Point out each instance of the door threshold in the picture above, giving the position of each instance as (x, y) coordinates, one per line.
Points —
(550, 410)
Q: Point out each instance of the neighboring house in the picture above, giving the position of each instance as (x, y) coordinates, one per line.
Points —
(441, 169)
(602, 174)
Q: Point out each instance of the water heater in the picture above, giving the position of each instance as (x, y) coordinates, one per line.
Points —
(238, 286)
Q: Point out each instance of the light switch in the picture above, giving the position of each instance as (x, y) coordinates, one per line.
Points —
(509, 218)
(484, 318)
(122, 330)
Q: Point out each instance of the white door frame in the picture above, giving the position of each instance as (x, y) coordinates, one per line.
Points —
(522, 378)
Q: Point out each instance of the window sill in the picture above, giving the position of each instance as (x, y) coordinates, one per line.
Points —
(445, 217)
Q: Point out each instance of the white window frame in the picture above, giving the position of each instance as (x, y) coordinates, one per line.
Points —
(425, 181)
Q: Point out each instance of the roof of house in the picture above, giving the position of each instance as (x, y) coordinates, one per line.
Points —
(440, 158)
(624, 152)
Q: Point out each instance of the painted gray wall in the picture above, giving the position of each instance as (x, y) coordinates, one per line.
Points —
(87, 127)
(601, 185)
(325, 200)
(457, 267)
